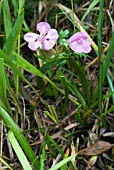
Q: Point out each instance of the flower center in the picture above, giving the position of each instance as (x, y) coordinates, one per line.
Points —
(80, 40)
(41, 38)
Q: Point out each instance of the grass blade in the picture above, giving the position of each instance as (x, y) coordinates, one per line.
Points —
(92, 5)
(7, 18)
(20, 137)
(15, 6)
(43, 156)
(3, 99)
(10, 42)
(80, 72)
(108, 56)
(51, 117)
(100, 24)
(27, 66)
(111, 86)
(64, 83)
(55, 144)
(20, 154)
(51, 63)
(61, 163)
(21, 4)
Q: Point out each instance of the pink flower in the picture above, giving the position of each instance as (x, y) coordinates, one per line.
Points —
(79, 43)
(45, 40)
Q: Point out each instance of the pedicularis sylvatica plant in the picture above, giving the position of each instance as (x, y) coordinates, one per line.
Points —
(65, 49)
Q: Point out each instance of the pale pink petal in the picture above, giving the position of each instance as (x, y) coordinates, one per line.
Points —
(34, 45)
(52, 35)
(43, 27)
(77, 36)
(87, 42)
(30, 37)
(79, 42)
(79, 48)
(76, 47)
(86, 48)
(48, 44)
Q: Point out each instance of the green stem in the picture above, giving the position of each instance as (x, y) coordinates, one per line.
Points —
(73, 14)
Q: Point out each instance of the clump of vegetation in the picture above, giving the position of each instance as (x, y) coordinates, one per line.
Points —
(56, 84)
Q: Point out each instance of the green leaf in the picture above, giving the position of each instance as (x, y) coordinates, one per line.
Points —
(13, 95)
(110, 82)
(27, 66)
(20, 154)
(53, 111)
(73, 88)
(7, 18)
(51, 116)
(80, 72)
(108, 56)
(51, 63)
(65, 85)
(76, 91)
(78, 115)
(15, 6)
(100, 80)
(3, 99)
(55, 144)
(21, 4)
(2, 80)
(10, 42)
(108, 111)
(43, 158)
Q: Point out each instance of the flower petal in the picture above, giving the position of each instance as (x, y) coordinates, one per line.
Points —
(48, 44)
(43, 27)
(79, 42)
(30, 37)
(79, 48)
(52, 35)
(77, 36)
(87, 42)
(86, 48)
(76, 47)
(34, 45)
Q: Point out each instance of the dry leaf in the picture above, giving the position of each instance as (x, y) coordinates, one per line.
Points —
(67, 153)
(73, 152)
(110, 134)
(96, 149)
